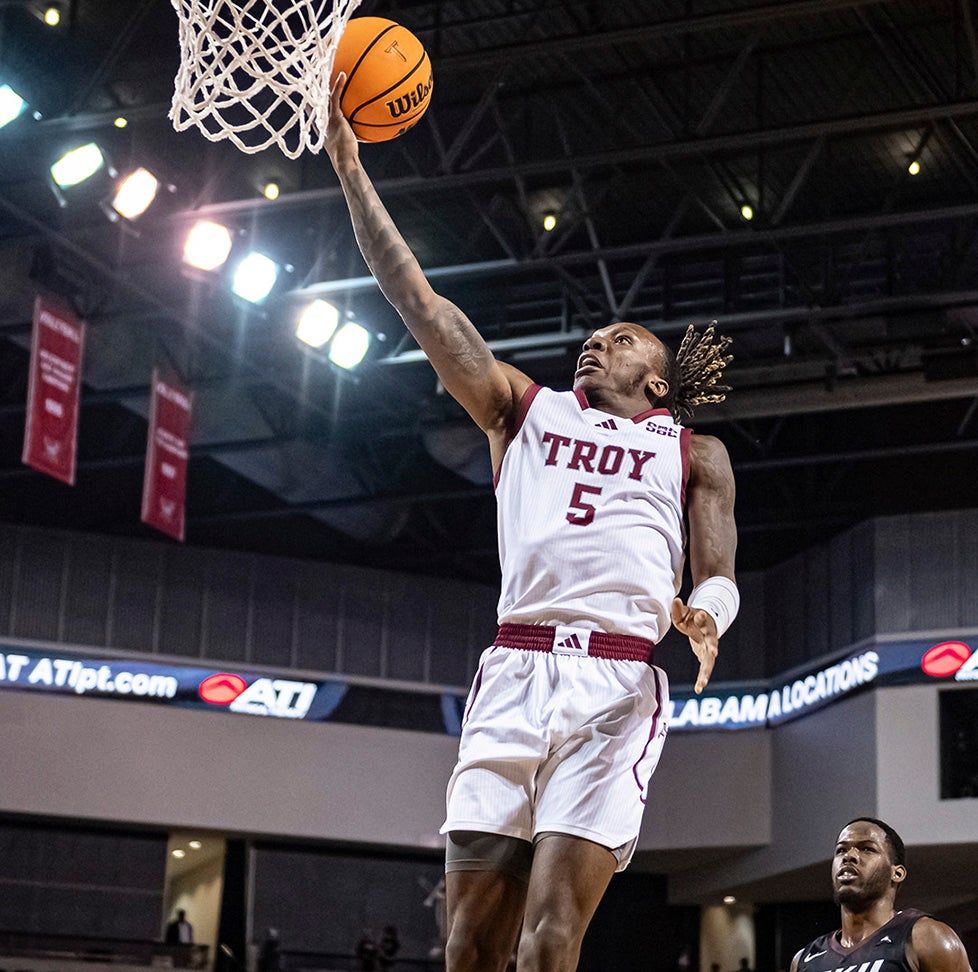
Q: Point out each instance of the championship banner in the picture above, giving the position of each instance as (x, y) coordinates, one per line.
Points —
(51, 432)
(167, 451)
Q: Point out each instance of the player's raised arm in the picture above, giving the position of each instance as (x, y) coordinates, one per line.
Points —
(487, 390)
(714, 601)
(937, 948)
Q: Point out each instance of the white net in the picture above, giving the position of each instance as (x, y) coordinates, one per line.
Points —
(257, 71)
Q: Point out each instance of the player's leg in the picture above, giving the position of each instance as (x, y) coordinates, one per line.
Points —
(567, 881)
(485, 882)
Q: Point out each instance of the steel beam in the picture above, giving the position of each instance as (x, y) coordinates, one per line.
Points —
(678, 149)
(681, 244)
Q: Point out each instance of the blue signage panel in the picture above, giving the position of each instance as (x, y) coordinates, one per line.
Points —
(721, 707)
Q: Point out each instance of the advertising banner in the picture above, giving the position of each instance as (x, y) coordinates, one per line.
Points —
(167, 452)
(51, 432)
(249, 692)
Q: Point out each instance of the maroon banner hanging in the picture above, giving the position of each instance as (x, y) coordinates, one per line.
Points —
(51, 432)
(165, 480)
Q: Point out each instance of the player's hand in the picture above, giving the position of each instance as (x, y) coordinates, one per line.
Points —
(341, 143)
(698, 625)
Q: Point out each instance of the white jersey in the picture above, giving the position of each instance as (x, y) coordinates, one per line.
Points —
(590, 509)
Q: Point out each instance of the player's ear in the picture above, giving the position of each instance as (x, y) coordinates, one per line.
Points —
(659, 387)
(898, 874)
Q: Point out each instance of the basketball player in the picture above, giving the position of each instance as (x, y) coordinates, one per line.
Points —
(566, 718)
(869, 866)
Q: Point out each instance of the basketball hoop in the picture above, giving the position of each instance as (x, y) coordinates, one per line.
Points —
(257, 72)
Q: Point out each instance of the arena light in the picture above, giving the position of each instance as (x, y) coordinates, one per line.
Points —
(729, 899)
(271, 191)
(255, 277)
(52, 16)
(349, 346)
(747, 211)
(195, 845)
(11, 105)
(208, 245)
(317, 323)
(914, 168)
(77, 165)
(121, 122)
(549, 222)
(135, 194)
(179, 853)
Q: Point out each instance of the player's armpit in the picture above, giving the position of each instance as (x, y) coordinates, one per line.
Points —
(936, 948)
(710, 495)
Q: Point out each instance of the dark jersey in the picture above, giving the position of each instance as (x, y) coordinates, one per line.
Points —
(883, 951)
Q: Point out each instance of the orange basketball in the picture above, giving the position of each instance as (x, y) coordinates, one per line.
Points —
(388, 78)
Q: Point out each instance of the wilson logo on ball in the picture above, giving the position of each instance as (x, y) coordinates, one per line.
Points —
(410, 101)
(221, 689)
(947, 658)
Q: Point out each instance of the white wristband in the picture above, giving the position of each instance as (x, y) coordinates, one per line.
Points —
(719, 597)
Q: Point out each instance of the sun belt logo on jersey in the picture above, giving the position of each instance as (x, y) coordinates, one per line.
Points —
(281, 698)
(951, 658)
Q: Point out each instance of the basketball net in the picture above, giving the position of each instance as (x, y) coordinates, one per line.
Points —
(257, 72)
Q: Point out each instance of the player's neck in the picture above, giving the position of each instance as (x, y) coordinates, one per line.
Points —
(857, 926)
(615, 403)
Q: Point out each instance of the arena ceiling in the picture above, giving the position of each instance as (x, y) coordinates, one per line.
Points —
(645, 127)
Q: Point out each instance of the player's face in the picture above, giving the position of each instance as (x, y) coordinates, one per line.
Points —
(623, 358)
(862, 870)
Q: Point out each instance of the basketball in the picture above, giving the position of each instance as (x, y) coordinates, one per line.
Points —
(389, 78)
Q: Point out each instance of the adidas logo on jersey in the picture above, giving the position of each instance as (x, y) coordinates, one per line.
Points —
(571, 641)
(607, 424)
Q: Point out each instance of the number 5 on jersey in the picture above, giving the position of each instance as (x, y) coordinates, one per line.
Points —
(581, 512)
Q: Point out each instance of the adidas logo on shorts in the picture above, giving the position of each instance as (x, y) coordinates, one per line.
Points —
(571, 641)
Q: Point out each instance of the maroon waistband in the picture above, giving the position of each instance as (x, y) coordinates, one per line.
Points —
(541, 637)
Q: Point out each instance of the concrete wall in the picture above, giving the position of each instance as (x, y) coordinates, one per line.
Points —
(908, 774)
(97, 759)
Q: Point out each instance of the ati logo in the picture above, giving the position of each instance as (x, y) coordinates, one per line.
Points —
(277, 697)
(413, 99)
(951, 658)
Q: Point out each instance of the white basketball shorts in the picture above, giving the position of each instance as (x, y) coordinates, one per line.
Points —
(559, 740)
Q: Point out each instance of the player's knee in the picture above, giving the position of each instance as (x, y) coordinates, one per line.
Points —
(549, 944)
(471, 948)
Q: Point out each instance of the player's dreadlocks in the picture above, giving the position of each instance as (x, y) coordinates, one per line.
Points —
(693, 374)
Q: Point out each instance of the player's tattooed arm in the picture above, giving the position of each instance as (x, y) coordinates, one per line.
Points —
(710, 497)
(489, 391)
(935, 947)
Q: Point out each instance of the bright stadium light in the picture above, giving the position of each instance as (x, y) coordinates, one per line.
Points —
(11, 105)
(135, 194)
(255, 277)
(195, 845)
(747, 211)
(208, 245)
(179, 853)
(914, 168)
(729, 899)
(52, 16)
(77, 165)
(349, 346)
(317, 323)
(271, 191)
(121, 121)
(550, 222)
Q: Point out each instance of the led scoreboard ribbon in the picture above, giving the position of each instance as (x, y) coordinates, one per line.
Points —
(247, 692)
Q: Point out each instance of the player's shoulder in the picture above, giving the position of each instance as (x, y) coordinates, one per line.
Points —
(708, 457)
(933, 937)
